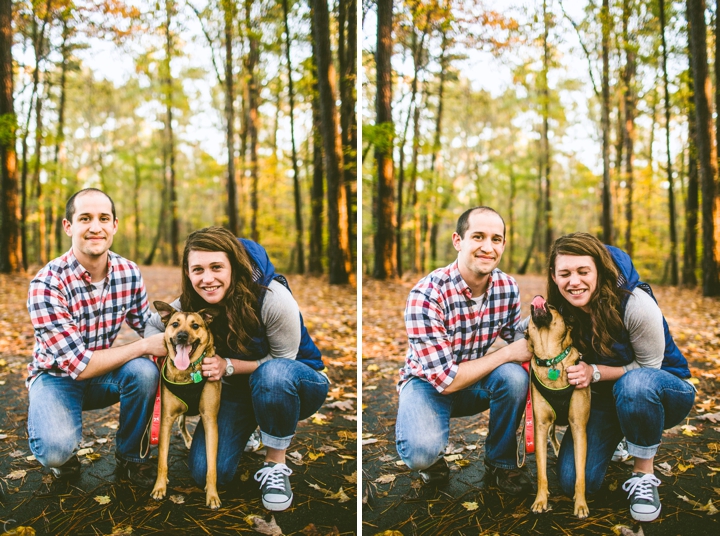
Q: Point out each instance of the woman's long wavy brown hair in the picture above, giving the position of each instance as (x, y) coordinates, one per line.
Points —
(604, 317)
(241, 299)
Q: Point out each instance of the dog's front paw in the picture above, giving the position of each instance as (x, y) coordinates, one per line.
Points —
(541, 504)
(158, 492)
(581, 509)
(213, 501)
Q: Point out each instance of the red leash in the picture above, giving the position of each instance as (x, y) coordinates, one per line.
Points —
(155, 426)
(529, 426)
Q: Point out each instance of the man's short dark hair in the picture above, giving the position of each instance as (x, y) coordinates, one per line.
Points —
(464, 219)
(70, 205)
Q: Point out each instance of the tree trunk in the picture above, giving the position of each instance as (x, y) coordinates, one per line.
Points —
(136, 206)
(170, 140)
(629, 134)
(316, 194)
(296, 174)
(707, 163)
(39, 190)
(545, 135)
(232, 206)
(689, 278)
(253, 98)
(10, 247)
(417, 225)
(674, 279)
(607, 219)
(349, 100)
(384, 210)
(161, 219)
(340, 264)
(60, 135)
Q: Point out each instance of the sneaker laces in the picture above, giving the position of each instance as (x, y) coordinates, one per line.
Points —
(642, 486)
(272, 476)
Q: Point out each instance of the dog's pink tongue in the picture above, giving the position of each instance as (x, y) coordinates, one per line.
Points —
(182, 357)
(538, 302)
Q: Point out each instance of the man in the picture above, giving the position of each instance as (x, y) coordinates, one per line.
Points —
(77, 304)
(453, 316)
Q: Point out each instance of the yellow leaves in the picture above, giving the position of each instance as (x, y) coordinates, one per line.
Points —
(682, 467)
(613, 485)
(351, 478)
(121, 530)
(689, 430)
(340, 496)
(694, 381)
(320, 419)
(313, 456)
(390, 533)
(346, 435)
(20, 531)
(462, 463)
(470, 506)
(83, 452)
(270, 528)
(102, 499)
(372, 368)
(697, 505)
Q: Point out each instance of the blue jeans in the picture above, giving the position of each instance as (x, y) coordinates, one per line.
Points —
(423, 422)
(56, 406)
(276, 396)
(647, 401)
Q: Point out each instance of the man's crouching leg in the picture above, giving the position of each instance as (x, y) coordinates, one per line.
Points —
(422, 429)
(55, 423)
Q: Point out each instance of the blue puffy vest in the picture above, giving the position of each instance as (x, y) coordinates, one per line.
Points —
(673, 362)
(259, 346)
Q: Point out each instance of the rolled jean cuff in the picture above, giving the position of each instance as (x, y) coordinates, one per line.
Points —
(133, 459)
(501, 465)
(644, 453)
(280, 443)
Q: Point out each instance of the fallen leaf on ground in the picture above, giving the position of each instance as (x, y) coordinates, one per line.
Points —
(682, 467)
(470, 506)
(341, 496)
(369, 441)
(712, 417)
(697, 460)
(327, 448)
(102, 441)
(20, 531)
(372, 368)
(177, 499)
(17, 475)
(264, 527)
(17, 453)
(613, 485)
(624, 530)
(664, 468)
(709, 508)
(453, 457)
(351, 478)
(314, 456)
(385, 479)
(390, 533)
(121, 530)
(102, 499)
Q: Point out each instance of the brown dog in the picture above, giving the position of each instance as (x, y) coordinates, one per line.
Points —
(554, 400)
(185, 391)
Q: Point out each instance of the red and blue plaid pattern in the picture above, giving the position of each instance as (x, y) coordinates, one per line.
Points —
(71, 322)
(446, 327)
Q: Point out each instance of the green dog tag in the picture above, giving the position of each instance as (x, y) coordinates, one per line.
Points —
(197, 376)
(553, 374)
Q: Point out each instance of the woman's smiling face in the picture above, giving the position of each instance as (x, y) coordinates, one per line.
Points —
(576, 278)
(210, 274)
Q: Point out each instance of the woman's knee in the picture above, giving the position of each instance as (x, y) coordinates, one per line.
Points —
(635, 384)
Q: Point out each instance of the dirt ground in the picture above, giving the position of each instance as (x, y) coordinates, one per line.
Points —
(325, 446)
(394, 498)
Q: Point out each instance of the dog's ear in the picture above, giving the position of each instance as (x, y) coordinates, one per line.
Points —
(165, 311)
(209, 314)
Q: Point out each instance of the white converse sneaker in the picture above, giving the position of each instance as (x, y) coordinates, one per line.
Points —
(621, 454)
(275, 486)
(644, 497)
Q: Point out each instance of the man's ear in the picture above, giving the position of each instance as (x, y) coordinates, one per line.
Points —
(66, 227)
(209, 314)
(165, 311)
(456, 239)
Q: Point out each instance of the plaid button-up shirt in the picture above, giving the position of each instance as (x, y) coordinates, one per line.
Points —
(71, 321)
(446, 327)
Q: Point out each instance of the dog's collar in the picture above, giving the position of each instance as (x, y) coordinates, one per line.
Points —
(555, 360)
(195, 375)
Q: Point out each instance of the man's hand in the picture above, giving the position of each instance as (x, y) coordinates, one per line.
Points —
(155, 345)
(213, 368)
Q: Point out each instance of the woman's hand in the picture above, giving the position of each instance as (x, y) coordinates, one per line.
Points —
(213, 368)
(580, 375)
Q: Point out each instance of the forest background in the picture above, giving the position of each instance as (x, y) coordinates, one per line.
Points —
(564, 116)
(188, 113)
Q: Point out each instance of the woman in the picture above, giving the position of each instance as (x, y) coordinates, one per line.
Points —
(637, 373)
(271, 367)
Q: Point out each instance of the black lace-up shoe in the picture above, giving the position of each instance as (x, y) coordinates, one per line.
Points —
(437, 474)
(142, 474)
(511, 481)
(70, 470)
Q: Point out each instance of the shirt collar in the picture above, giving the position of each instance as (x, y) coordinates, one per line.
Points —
(462, 286)
(79, 271)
